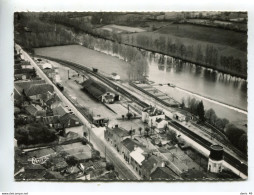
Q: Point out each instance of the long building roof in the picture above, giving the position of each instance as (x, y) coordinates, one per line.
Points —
(94, 88)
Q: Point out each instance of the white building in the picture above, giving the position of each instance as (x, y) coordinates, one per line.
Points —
(46, 66)
(179, 116)
(161, 123)
(151, 114)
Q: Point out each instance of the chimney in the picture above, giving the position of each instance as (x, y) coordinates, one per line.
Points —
(135, 147)
(116, 126)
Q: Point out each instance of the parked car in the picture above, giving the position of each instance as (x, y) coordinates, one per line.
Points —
(59, 85)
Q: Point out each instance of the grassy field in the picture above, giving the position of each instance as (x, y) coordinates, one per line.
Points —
(212, 35)
(120, 29)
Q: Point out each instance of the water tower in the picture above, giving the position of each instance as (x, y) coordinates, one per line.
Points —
(215, 159)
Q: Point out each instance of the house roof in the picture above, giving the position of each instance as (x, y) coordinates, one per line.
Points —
(52, 99)
(33, 109)
(151, 162)
(53, 175)
(109, 97)
(20, 85)
(162, 173)
(138, 156)
(60, 110)
(159, 120)
(130, 144)
(47, 66)
(50, 120)
(120, 132)
(23, 71)
(69, 120)
(39, 89)
(94, 88)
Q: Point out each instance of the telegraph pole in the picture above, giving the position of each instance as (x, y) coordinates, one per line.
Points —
(106, 153)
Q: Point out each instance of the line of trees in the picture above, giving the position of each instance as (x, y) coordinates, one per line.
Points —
(196, 52)
(138, 68)
(236, 136)
(195, 107)
(212, 118)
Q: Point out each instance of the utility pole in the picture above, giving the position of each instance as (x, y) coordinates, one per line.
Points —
(68, 74)
(106, 153)
(90, 132)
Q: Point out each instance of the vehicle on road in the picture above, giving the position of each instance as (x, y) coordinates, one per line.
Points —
(59, 85)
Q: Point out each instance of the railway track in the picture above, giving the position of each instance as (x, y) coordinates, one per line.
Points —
(203, 142)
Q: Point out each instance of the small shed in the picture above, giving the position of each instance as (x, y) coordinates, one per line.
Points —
(115, 76)
(46, 66)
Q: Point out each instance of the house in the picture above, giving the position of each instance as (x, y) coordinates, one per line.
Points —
(35, 110)
(150, 164)
(46, 66)
(151, 114)
(99, 92)
(71, 123)
(36, 91)
(70, 136)
(179, 116)
(18, 77)
(24, 85)
(52, 100)
(99, 120)
(115, 76)
(53, 175)
(108, 98)
(162, 173)
(50, 73)
(127, 146)
(52, 121)
(137, 157)
(161, 123)
(115, 136)
(61, 110)
(26, 65)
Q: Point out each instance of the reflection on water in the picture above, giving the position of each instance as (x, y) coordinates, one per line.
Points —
(204, 81)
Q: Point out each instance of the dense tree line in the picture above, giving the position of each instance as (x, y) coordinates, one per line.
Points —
(34, 133)
(237, 137)
(212, 118)
(40, 33)
(203, 54)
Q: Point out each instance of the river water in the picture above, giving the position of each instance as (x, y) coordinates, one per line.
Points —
(218, 91)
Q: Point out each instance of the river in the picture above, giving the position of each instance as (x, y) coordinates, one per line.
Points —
(218, 91)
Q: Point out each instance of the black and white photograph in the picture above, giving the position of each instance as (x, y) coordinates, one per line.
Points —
(130, 96)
